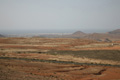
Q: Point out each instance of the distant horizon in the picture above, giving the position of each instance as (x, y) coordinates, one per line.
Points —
(7, 32)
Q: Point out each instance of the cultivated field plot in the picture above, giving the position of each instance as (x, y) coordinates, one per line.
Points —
(58, 59)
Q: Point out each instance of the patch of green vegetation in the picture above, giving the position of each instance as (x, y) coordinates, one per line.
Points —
(55, 61)
(95, 54)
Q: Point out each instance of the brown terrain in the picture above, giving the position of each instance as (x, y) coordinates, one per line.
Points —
(59, 59)
(112, 35)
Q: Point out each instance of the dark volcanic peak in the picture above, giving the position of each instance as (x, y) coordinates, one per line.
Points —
(1, 35)
(115, 32)
(78, 33)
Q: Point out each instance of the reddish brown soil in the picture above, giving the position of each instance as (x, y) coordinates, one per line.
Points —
(12, 69)
(56, 71)
(61, 44)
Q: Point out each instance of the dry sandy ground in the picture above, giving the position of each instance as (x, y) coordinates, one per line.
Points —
(36, 48)
(57, 44)
(29, 70)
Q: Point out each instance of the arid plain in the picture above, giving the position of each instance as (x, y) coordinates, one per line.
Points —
(59, 59)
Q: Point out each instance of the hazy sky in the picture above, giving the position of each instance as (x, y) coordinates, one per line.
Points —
(59, 15)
